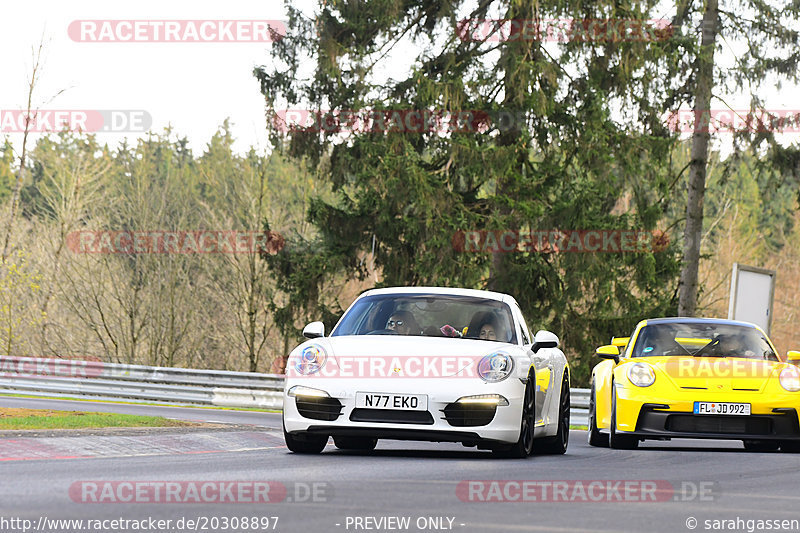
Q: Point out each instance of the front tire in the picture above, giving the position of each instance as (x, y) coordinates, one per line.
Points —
(304, 443)
(524, 445)
(557, 444)
(595, 437)
(616, 440)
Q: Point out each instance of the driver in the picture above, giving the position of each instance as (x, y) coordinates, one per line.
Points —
(403, 323)
(730, 345)
(488, 332)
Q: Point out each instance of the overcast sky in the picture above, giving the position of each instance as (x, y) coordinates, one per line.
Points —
(192, 86)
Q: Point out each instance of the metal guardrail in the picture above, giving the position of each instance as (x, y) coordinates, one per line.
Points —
(579, 407)
(65, 378)
(112, 381)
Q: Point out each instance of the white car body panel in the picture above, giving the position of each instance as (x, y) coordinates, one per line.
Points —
(456, 381)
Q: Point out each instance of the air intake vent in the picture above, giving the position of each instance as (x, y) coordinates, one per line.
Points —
(319, 408)
(466, 415)
(391, 416)
(719, 424)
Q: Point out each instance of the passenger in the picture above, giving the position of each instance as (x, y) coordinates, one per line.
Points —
(487, 332)
(490, 328)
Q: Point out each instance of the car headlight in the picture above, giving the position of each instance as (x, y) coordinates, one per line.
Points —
(790, 379)
(495, 367)
(484, 399)
(311, 360)
(300, 390)
(641, 374)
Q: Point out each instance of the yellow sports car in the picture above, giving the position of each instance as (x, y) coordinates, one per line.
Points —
(695, 378)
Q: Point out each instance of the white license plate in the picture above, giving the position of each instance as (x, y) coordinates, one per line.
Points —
(721, 408)
(380, 400)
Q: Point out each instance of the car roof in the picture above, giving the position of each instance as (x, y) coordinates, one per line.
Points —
(450, 291)
(696, 320)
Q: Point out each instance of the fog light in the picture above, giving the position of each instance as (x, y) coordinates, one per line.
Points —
(483, 399)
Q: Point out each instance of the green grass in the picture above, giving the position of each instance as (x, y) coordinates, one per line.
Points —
(15, 419)
(165, 404)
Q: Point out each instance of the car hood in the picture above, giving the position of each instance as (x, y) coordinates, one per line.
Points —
(714, 373)
(395, 354)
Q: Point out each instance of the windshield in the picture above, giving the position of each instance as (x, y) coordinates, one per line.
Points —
(430, 315)
(703, 340)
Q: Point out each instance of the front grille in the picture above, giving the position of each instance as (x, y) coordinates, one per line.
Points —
(319, 408)
(463, 415)
(391, 416)
(719, 424)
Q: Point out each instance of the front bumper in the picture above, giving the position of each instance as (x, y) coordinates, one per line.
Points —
(773, 417)
(443, 421)
(654, 422)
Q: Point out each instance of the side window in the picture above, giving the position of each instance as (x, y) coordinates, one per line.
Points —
(526, 337)
(628, 351)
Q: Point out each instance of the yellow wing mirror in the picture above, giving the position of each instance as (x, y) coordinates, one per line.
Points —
(620, 341)
(609, 351)
(793, 357)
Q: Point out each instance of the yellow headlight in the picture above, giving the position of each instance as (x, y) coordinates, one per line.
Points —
(641, 374)
(790, 379)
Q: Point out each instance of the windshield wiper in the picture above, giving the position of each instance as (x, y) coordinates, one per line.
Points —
(712, 343)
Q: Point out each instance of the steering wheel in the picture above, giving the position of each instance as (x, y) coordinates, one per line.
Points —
(707, 346)
(383, 332)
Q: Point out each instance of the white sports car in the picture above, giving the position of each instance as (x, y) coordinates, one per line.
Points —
(429, 364)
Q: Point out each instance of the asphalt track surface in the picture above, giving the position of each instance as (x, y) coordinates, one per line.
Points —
(694, 483)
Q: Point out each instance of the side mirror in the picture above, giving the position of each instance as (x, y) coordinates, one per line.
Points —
(314, 330)
(793, 357)
(609, 351)
(620, 341)
(544, 339)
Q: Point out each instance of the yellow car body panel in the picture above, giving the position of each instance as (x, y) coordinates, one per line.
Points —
(601, 376)
(680, 381)
(620, 342)
(543, 378)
